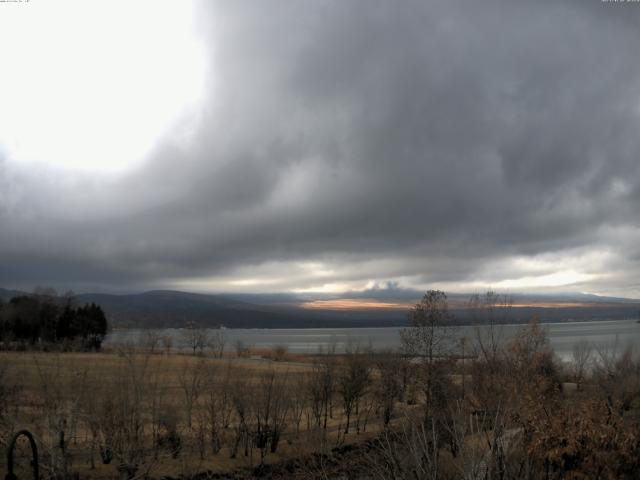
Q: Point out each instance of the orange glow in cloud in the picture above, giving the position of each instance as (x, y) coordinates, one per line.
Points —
(353, 304)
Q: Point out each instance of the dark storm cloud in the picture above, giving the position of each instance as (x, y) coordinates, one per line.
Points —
(426, 141)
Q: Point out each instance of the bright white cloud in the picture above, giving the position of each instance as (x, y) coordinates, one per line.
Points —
(92, 85)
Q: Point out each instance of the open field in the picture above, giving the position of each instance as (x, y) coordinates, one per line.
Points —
(174, 414)
(504, 410)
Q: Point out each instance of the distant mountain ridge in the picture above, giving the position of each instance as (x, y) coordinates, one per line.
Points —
(170, 308)
(166, 308)
(8, 294)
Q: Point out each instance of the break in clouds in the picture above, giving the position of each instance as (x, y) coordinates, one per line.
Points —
(344, 145)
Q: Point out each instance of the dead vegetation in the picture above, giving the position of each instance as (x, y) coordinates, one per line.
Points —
(132, 413)
(479, 409)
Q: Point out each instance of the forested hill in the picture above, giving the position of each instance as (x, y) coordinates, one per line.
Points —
(175, 309)
(163, 308)
(352, 309)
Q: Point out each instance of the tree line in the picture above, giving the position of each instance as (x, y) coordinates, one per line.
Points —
(45, 318)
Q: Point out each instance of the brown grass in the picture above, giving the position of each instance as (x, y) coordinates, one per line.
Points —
(28, 370)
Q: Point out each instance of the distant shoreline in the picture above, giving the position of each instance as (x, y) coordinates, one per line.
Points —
(378, 327)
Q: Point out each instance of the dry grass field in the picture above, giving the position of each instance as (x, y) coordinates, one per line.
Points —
(178, 414)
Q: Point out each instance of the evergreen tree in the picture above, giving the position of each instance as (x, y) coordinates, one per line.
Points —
(48, 318)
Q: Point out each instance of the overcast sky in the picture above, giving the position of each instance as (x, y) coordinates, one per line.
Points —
(320, 146)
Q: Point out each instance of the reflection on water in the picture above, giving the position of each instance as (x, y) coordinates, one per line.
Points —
(562, 336)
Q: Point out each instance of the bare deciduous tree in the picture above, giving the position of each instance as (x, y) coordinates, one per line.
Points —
(321, 387)
(489, 312)
(388, 388)
(218, 404)
(581, 357)
(429, 340)
(61, 411)
(271, 405)
(299, 399)
(167, 343)
(352, 381)
(192, 380)
(195, 337)
(151, 339)
(241, 397)
(122, 417)
(217, 340)
(409, 452)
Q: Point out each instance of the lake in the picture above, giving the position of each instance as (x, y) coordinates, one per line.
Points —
(562, 336)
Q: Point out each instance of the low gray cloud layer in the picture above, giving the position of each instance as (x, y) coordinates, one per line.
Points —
(454, 144)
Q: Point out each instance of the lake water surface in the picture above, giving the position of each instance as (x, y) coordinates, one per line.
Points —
(562, 336)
